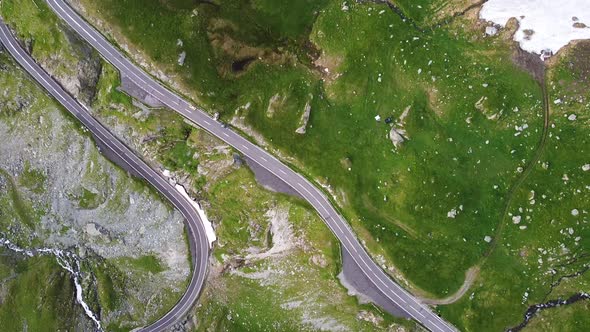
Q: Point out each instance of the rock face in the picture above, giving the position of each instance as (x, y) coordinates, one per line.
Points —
(79, 78)
(86, 194)
(281, 236)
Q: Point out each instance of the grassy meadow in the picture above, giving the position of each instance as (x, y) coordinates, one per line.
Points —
(430, 208)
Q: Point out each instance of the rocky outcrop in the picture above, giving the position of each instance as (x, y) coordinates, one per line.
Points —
(274, 103)
(302, 129)
(398, 134)
(80, 78)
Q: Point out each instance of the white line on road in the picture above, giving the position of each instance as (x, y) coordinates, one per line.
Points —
(340, 229)
(419, 313)
(349, 243)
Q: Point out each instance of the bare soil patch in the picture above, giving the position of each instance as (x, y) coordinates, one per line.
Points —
(530, 63)
(239, 55)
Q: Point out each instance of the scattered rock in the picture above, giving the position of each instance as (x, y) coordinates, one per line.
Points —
(319, 260)
(479, 104)
(369, 317)
(452, 214)
(92, 230)
(491, 30)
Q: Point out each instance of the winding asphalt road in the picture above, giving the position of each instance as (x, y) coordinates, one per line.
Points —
(381, 281)
(198, 244)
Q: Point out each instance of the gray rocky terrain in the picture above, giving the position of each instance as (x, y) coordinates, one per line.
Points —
(57, 191)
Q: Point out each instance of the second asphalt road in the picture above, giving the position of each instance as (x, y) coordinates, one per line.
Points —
(198, 243)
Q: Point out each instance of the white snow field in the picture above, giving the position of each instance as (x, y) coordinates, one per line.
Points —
(544, 24)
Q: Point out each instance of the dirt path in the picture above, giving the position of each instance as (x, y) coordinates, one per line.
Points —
(519, 182)
(470, 276)
(537, 70)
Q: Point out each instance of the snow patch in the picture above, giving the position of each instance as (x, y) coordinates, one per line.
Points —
(208, 226)
(210, 232)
